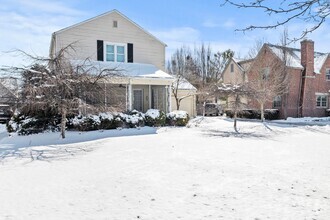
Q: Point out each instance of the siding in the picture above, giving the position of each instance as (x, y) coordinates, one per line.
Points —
(84, 36)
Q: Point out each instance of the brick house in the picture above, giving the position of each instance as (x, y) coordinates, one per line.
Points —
(308, 78)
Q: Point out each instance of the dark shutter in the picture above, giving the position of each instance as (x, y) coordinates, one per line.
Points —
(130, 53)
(100, 50)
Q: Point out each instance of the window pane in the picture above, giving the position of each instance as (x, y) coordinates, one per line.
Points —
(120, 49)
(110, 49)
(110, 57)
(120, 58)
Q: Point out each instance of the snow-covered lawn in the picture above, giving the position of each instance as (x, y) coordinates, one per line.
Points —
(206, 171)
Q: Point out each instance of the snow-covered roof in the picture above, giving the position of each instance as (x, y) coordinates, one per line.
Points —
(126, 69)
(293, 57)
(183, 84)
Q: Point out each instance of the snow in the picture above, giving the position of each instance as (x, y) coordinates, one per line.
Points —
(152, 113)
(125, 69)
(294, 57)
(203, 171)
(183, 84)
(177, 114)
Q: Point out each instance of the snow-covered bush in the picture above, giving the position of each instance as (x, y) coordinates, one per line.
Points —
(177, 118)
(33, 125)
(133, 119)
(107, 121)
(25, 125)
(155, 117)
(86, 123)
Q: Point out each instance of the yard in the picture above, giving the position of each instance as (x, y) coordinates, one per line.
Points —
(203, 171)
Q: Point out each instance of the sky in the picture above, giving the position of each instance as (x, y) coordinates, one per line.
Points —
(28, 25)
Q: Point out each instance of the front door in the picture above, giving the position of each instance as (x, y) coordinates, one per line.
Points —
(138, 99)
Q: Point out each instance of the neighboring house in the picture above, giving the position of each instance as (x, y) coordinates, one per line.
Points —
(308, 78)
(8, 97)
(235, 72)
(8, 91)
(111, 40)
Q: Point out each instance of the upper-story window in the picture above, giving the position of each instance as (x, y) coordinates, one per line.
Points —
(265, 73)
(232, 68)
(115, 52)
(115, 24)
(327, 74)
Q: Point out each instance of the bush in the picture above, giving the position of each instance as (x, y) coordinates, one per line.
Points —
(133, 119)
(177, 118)
(86, 123)
(155, 117)
(107, 121)
(270, 114)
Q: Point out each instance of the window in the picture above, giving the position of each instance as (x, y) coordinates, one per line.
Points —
(322, 101)
(115, 52)
(277, 102)
(115, 24)
(232, 68)
(265, 73)
(327, 74)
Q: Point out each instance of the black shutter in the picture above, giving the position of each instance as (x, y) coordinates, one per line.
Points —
(100, 50)
(130, 53)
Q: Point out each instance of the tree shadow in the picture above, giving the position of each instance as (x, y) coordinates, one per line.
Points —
(227, 134)
(50, 146)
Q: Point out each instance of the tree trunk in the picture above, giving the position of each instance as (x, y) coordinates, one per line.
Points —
(177, 104)
(285, 113)
(63, 121)
(204, 103)
(235, 121)
(262, 112)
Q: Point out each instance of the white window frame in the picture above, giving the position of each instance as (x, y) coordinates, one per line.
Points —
(115, 51)
(327, 74)
(323, 96)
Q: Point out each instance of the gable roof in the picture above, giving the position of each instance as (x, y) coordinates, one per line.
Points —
(293, 57)
(105, 14)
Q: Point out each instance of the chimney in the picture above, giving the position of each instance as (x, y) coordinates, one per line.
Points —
(307, 56)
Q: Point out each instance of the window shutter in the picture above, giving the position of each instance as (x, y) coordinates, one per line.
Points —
(130, 53)
(100, 50)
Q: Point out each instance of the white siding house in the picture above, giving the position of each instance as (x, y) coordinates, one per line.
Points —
(113, 40)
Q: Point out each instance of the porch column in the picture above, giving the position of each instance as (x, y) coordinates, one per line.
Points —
(169, 98)
(150, 94)
(129, 96)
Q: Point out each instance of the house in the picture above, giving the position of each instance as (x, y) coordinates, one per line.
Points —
(8, 96)
(8, 91)
(308, 78)
(111, 40)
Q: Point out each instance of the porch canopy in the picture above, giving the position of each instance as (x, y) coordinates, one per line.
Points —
(146, 86)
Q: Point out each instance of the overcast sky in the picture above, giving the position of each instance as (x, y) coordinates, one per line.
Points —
(28, 24)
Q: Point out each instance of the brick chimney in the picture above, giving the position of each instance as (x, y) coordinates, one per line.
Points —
(307, 95)
(307, 56)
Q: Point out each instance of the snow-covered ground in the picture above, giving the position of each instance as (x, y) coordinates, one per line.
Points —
(205, 171)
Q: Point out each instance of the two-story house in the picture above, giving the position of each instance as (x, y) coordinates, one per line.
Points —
(111, 40)
(308, 78)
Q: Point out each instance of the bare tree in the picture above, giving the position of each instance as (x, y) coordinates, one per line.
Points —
(269, 77)
(180, 67)
(57, 83)
(312, 11)
(236, 97)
